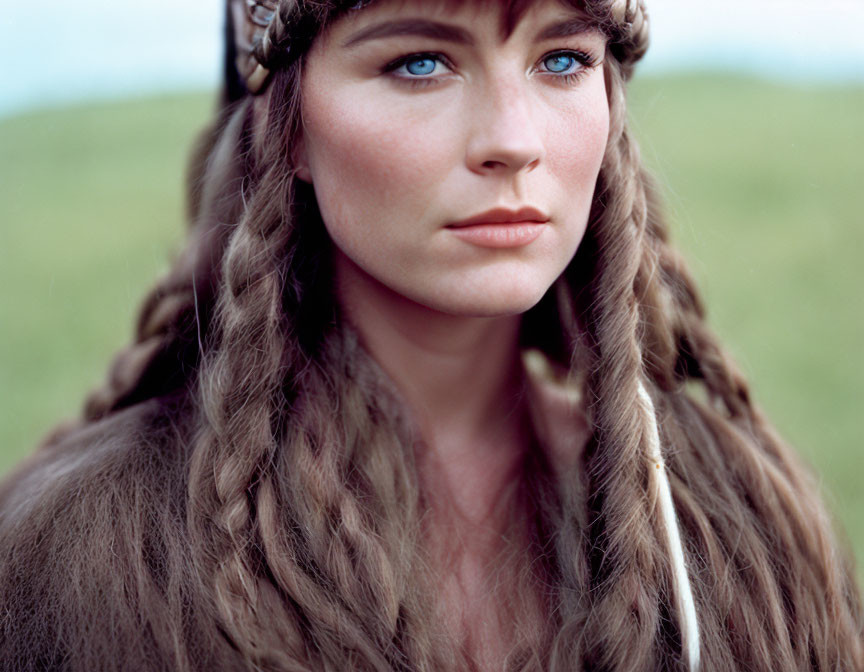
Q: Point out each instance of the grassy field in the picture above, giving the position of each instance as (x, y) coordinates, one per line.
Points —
(763, 184)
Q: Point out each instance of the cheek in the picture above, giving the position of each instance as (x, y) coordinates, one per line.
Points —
(363, 155)
(578, 143)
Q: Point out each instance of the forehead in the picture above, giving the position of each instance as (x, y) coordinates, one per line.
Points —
(509, 12)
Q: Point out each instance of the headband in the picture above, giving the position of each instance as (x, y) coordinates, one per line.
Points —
(264, 35)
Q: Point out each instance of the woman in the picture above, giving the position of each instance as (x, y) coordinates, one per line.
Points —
(428, 389)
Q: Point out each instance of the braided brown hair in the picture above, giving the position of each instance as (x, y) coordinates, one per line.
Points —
(289, 540)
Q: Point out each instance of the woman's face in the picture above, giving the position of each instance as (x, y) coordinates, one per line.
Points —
(418, 116)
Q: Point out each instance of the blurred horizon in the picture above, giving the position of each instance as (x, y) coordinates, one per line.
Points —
(67, 57)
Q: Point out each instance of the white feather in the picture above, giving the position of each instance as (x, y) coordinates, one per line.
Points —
(683, 591)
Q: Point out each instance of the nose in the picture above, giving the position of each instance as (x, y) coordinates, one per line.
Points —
(505, 137)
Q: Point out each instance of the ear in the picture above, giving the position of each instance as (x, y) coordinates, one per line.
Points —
(300, 159)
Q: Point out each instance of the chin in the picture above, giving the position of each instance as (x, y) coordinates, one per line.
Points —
(499, 302)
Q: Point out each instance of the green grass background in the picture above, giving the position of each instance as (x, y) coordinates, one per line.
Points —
(764, 189)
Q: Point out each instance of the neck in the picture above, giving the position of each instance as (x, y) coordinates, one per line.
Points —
(460, 377)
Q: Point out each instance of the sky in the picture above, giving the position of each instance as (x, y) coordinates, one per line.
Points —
(51, 54)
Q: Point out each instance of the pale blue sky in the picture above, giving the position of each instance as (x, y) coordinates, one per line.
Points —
(53, 51)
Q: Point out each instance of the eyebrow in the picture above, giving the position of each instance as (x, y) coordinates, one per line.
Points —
(450, 33)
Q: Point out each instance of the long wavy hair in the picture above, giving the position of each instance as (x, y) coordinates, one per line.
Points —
(242, 493)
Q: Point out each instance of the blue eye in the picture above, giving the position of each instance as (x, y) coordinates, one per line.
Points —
(559, 62)
(422, 65)
(419, 69)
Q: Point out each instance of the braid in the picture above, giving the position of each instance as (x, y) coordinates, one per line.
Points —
(163, 321)
(679, 343)
(638, 574)
(305, 505)
(757, 584)
(238, 398)
(756, 560)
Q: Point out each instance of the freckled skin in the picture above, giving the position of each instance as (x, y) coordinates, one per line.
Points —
(392, 164)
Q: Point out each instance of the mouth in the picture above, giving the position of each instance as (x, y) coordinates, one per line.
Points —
(503, 216)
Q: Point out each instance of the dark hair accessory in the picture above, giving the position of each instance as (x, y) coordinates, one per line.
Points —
(264, 35)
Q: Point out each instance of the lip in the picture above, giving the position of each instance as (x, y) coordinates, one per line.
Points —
(503, 216)
(500, 235)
